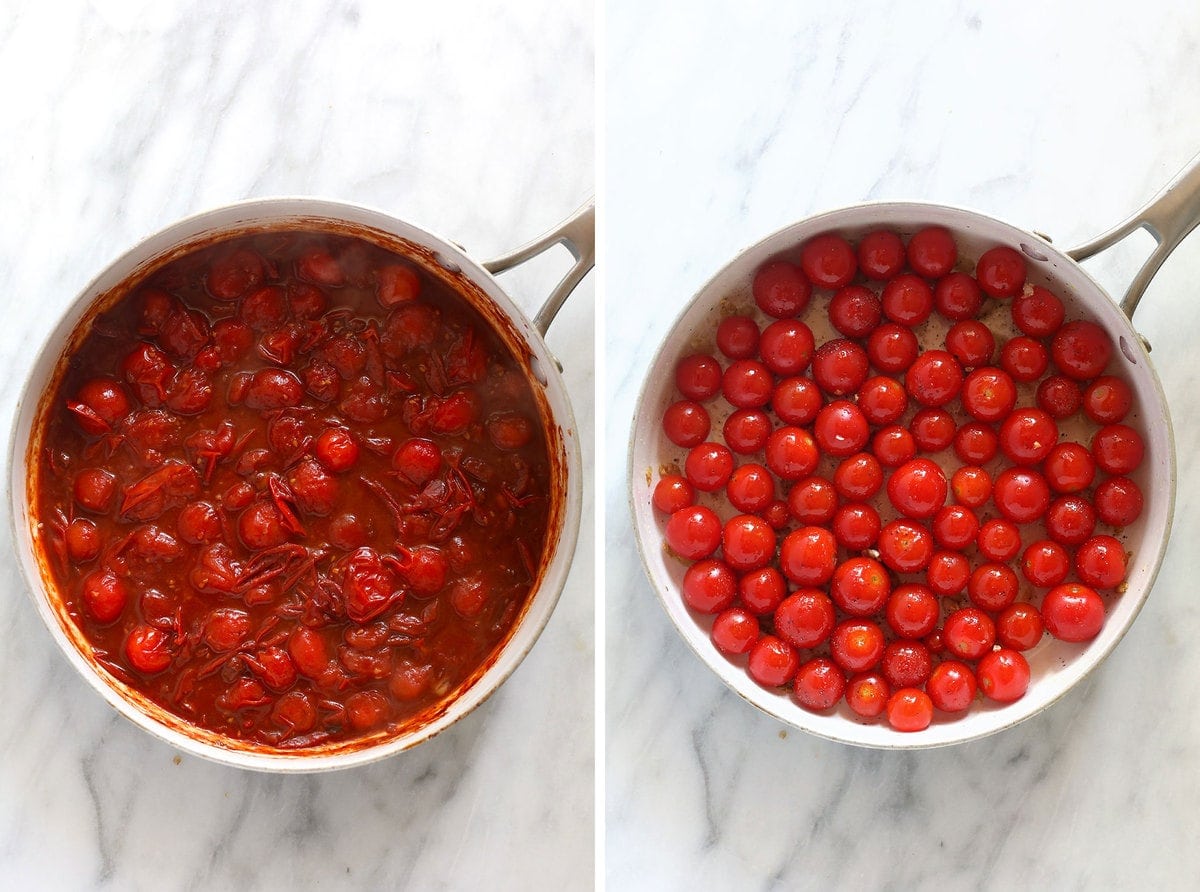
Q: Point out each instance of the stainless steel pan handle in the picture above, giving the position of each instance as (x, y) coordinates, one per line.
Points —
(1169, 217)
(578, 234)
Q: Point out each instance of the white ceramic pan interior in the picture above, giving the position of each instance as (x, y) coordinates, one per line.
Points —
(1056, 666)
(440, 257)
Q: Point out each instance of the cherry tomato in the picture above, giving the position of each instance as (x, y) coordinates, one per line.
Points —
(781, 290)
(791, 453)
(1059, 397)
(686, 423)
(907, 300)
(860, 586)
(786, 346)
(932, 252)
(971, 343)
(746, 431)
(808, 556)
(796, 400)
(708, 466)
(805, 618)
(1021, 494)
(819, 684)
(747, 542)
(1003, 675)
(840, 366)
(989, 394)
(747, 384)
(1019, 627)
(1100, 562)
(1045, 563)
(912, 611)
(1039, 313)
(867, 694)
(751, 488)
(1081, 350)
(673, 493)
(694, 532)
(880, 255)
(969, 633)
(1073, 612)
(1118, 501)
(1118, 449)
(709, 586)
(841, 429)
(905, 547)
(828, 261)
(992, 587)
(812, 501)
(855, 311)
(934, 378)
(698, 377)
(856, 526)
(773, 662)
(909, 710)
(737, 337)
(734, 631)
(1000, 272)
(951, 686)
(857, 645)
(1107, 400)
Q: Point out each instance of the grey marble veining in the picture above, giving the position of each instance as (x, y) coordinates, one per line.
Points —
(723, 127)
(473, 120)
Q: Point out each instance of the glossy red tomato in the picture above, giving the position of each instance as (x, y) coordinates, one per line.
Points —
(773, 662)
(1100, 562)
(737, 337)
(1021, 494)
(856, 526)
(958, 297)
(972, 486)
(686, 423)
(880, 255)
(1027, 436)
(932, 252)
(1069, 468)
(989, 394)
(857, 645)
(1019, 626)
(812, 501)
(1003, 675)
(969, 633)
(745, 431)
(912, 611)
(672, 493)
(786, 346)
(1118, 501)
(781, 290)
(694, 532)
(698, 377)
(1118, 449)
(992, 587)
(918, 488)
(709, 586)
(909, 710)
(906, 663)
(1039, 313)
(808, 556)
(841, 429)
(867, 694)
(734, 631)
(955, 527)
(796, 400)
(882, 400)
(951, 686)
(933, 429)
(747, 384)
(1045, 563)
(1001, 272)
(907, 300)
(905, 547)
(708, 466)
(948, 573)
(892, 348)
(934, 378)
(751, 488)
(791, 453)
(855, 311)
(840, 366)
(819, 684)
(762, 591)
(1081, 350)
(1073, 612)
(805, 618)
(828, 261)
(860, 586)
(747, 542)
(1107, 400)
(858, 477)
(1024, 358)
(1070, 520)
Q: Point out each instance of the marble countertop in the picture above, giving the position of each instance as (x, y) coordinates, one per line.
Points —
(722, 128)
(473, 120)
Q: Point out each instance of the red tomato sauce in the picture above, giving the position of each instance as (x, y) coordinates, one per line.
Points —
(293, 489)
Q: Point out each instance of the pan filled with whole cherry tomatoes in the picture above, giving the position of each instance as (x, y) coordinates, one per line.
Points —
(902, 474)
(296, 484)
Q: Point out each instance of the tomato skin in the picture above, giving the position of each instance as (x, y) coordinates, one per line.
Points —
(867, 694)
(694, 532)
(781, 289)
(1000, 272)
(735, 631)
(951, 686)
(1073, 612)
(709, 586)
(932, 252)
(1003, 675)
(909, 710)
(773, 662)
(857, 645)
(808, 556)
(881, 254)
(805, 618)
(1019, 627)
(828, 261)
(819, 684)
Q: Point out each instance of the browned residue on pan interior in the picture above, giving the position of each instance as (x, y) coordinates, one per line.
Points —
(509, 334)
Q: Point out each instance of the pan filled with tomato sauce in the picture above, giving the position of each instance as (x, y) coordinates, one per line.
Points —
(292, 491)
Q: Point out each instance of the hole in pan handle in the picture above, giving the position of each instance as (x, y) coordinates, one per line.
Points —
(1169, 217)
(578, 234)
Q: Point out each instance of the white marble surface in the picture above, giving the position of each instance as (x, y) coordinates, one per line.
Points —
(119, 116)
(723, 128)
